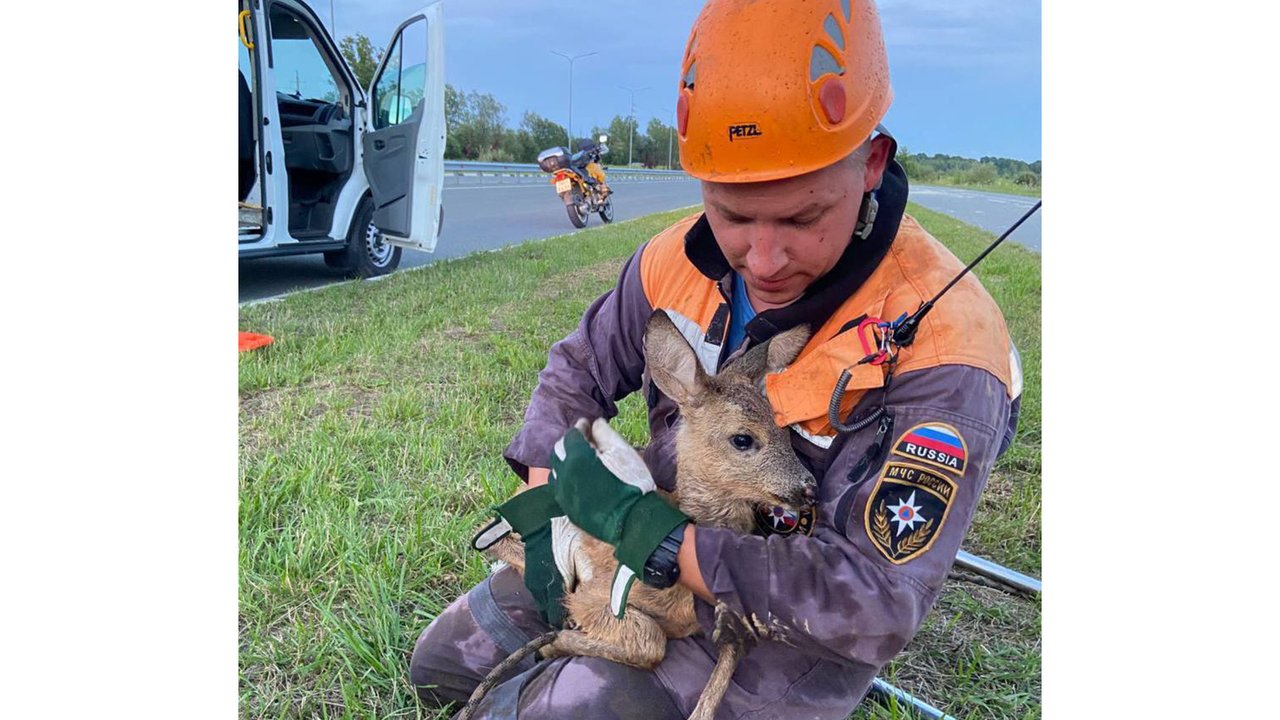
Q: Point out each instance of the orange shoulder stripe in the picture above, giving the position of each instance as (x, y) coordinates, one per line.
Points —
(672, 282)
(964, 328)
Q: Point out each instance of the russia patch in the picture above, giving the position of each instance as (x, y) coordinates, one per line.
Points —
(906, 510)
(936, 444)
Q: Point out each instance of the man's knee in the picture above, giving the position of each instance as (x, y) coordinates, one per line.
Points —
(595, 688)
(476, 632)
(438, 669)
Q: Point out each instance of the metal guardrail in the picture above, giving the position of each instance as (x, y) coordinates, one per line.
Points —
(888, 693)
(471, 167)
(1001, 574)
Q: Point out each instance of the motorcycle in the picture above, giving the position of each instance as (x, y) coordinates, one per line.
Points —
(579, 180)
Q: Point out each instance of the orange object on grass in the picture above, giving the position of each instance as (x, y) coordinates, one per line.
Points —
(251, 341)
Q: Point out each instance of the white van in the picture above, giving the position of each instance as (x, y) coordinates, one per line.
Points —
(327, 166)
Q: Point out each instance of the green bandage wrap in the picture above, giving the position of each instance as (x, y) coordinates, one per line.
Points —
(529, 514)
(530, 510)
(649, 521)
(593, 498)
(542, 577)
(612, 509)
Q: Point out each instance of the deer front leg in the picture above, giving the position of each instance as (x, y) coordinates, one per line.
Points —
(509, 550)
(733, 636)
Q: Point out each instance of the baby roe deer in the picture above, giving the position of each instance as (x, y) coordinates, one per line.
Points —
(730, 459)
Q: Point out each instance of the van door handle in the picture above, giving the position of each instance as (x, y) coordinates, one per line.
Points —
(379, 144)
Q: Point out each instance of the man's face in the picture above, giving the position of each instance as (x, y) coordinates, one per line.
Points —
(782, 235)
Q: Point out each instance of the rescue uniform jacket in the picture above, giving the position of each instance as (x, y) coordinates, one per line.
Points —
(895, 498)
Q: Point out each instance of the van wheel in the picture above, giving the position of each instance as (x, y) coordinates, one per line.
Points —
(366, 255)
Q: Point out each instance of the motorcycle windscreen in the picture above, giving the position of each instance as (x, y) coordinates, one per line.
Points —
(403, 145)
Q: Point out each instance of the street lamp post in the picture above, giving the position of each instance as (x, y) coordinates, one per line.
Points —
(569, 128)
(670, 132)
(632, 126)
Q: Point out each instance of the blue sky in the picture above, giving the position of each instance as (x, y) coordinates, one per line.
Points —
(965, 73)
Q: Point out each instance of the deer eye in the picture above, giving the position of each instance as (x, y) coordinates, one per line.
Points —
(743, 442)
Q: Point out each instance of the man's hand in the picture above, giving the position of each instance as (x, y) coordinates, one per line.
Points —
(603, 486)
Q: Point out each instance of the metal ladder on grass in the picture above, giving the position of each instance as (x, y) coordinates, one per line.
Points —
(1012, 579)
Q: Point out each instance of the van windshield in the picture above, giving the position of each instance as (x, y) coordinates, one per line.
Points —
(302, 71)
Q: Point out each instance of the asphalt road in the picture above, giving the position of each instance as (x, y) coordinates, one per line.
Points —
(482, 214)
(993, 212)
(478, 217)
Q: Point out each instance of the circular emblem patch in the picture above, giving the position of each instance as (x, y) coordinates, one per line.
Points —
(906, 510)
(780, 520)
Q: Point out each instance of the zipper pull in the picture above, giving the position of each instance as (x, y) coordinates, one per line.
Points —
(873, 451)
(854, 478)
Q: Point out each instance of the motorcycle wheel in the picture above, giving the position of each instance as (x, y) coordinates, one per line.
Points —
(606, 210)
(574, 206)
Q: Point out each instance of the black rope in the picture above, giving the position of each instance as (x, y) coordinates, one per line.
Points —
(495, 675)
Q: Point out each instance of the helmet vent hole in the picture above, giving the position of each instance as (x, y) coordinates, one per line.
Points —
(833, 31)
(822, 62)
(690, 76)
(831, 97)
(844, 4)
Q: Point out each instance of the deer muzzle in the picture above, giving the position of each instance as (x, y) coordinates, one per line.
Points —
(804, 494)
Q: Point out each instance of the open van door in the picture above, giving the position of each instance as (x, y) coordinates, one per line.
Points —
(403, 144)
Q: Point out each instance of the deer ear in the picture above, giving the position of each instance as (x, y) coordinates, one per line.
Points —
(671, 361)
(771, 356)
(785, 347)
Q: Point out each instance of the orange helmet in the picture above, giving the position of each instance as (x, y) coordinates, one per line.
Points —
(776, 88)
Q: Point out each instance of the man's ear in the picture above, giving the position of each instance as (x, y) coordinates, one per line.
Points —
(877, 161)
(673, 367)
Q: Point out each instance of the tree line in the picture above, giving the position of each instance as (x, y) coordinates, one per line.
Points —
(962, 170)
(477, 130)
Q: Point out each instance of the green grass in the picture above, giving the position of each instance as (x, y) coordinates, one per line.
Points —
(371, 438)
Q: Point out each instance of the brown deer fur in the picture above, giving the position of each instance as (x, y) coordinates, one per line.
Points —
(718, 485)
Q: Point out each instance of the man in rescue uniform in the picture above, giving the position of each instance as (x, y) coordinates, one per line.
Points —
(778, 114)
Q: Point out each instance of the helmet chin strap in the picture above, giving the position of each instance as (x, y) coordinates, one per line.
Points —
(867, 212)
